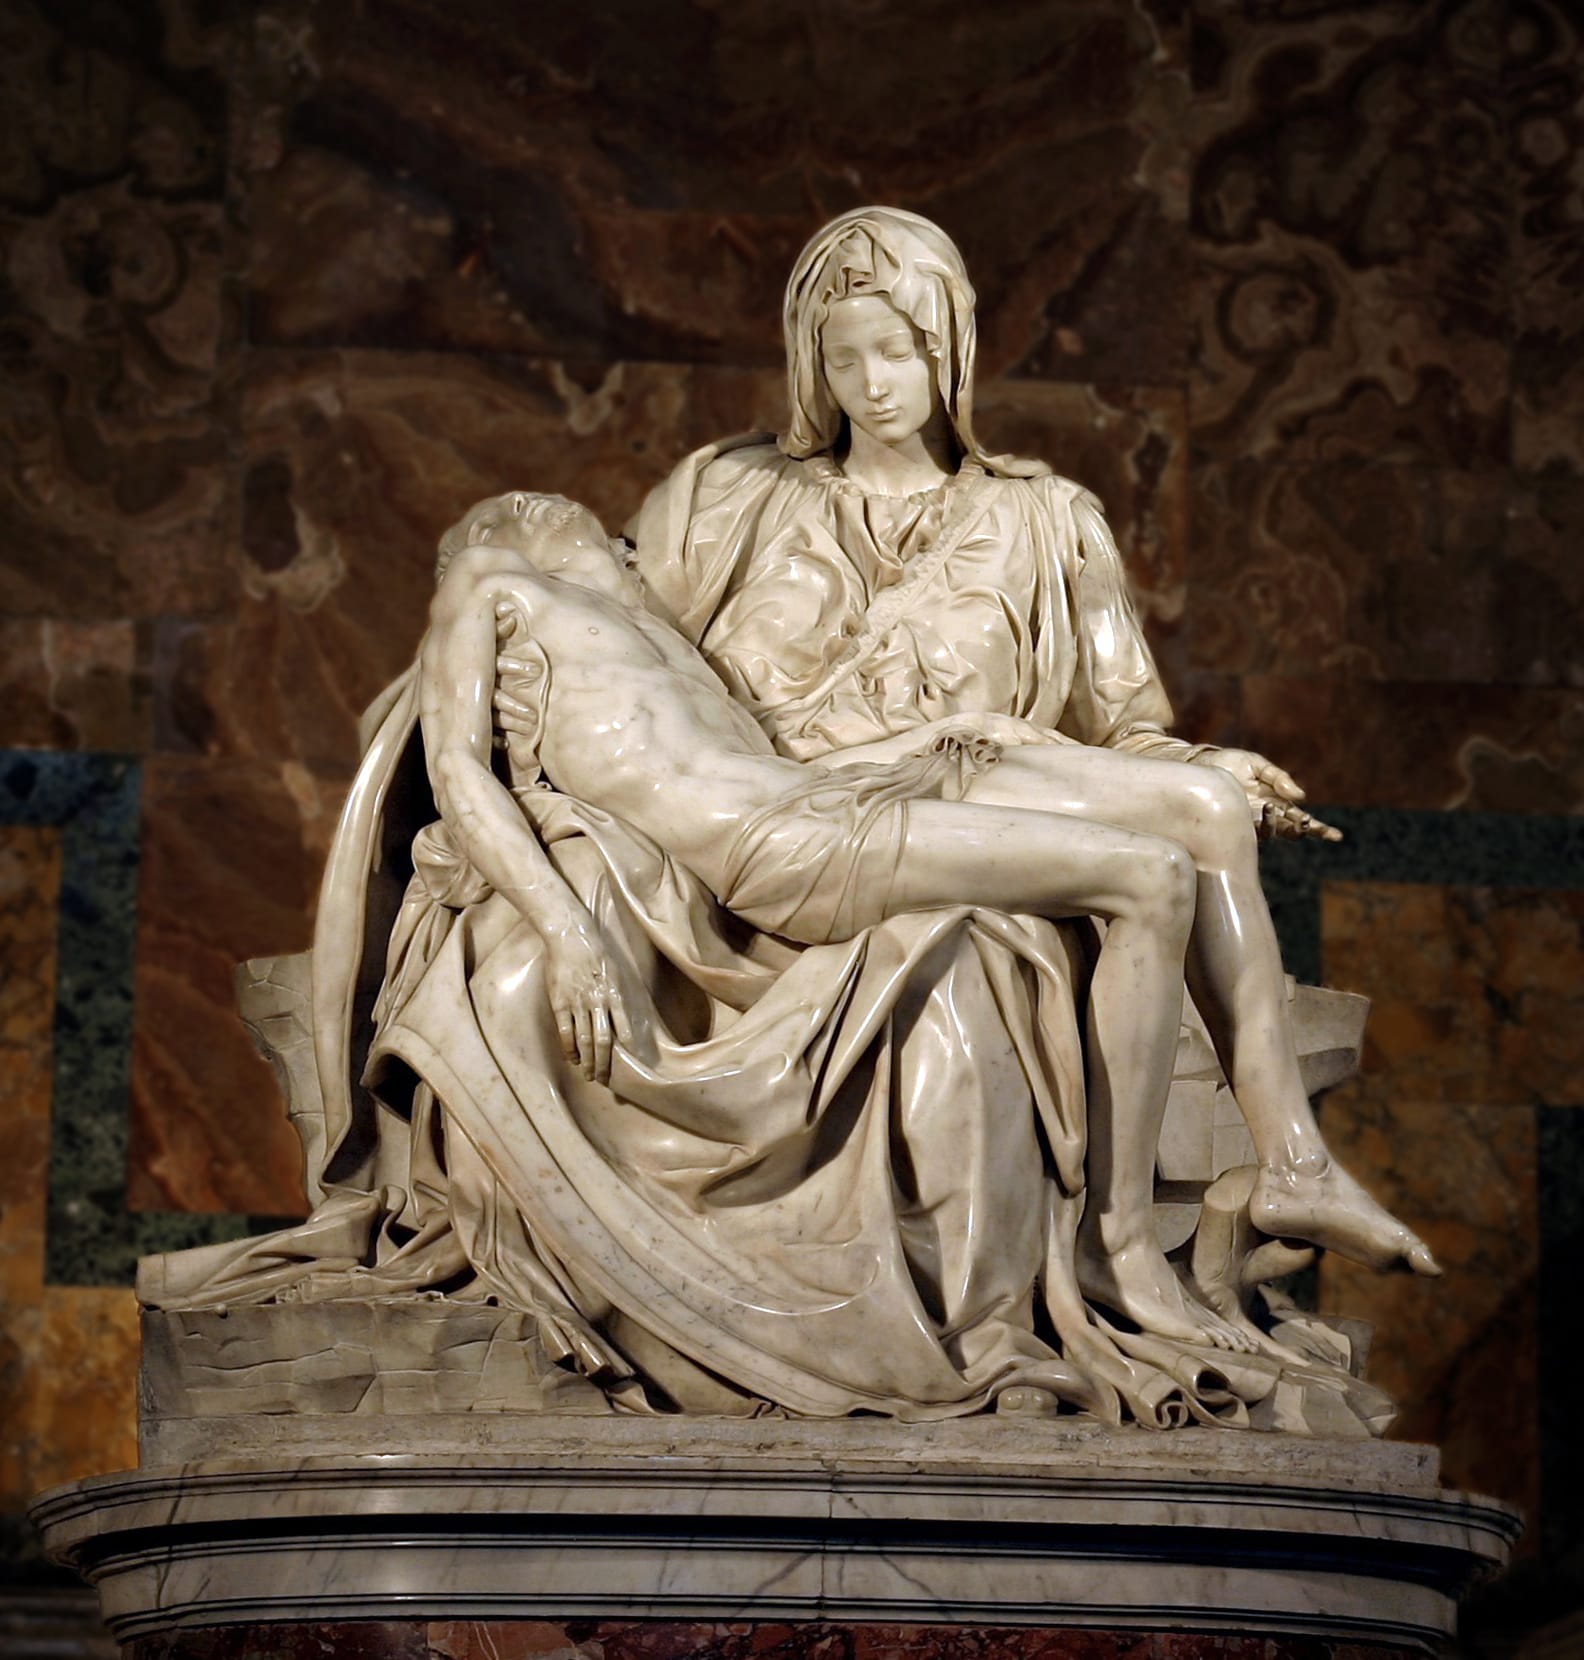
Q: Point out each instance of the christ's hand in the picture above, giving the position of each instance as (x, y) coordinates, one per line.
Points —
(584, 996)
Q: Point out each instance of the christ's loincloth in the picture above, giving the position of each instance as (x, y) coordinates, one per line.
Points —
(818, 864)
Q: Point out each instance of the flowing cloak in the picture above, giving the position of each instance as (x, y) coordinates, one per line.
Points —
(839, 618)
(829, 1179)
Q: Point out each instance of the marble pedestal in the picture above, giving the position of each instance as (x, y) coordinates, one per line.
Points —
(542, 1520)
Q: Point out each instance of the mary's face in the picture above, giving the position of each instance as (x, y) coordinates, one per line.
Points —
(878, 369)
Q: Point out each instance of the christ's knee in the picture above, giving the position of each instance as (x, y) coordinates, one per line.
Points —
(1223, 835)
(1163, 890)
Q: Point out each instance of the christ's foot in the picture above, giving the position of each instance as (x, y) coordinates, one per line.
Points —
(1329, 1209)
(1225, 1302)
(1136, 1280)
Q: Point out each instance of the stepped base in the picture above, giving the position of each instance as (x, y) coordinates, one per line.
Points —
(976, 1523)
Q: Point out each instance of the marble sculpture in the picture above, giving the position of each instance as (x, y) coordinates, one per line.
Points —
(754, 950)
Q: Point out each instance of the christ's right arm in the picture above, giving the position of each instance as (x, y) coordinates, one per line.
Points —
(456, 682)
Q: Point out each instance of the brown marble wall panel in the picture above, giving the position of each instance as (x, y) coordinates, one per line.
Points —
(1460, 1355)
(1386, 573)
(1477, 994)
(95, 91)
(1350, 216)
(1475, 1022)
(29, 888)
(1545, 70)
(658, 195)
(112, 426)
(116, 332)
(72, 685)
(50, 1435)
(89, 1335)
(1381, 743)
(230, 867)
(1542, 597)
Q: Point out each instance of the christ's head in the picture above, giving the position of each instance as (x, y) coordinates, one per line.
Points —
(558, 537)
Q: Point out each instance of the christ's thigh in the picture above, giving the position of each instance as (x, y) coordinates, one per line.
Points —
(1202, 808)
(1008, 858)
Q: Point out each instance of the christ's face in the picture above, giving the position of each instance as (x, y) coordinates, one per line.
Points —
(554, 533)
(560, 539)
(878, 369)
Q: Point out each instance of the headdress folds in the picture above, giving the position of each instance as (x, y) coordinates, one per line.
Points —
(911, 262)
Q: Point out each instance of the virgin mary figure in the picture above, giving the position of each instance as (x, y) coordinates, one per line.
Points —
(906, 1173)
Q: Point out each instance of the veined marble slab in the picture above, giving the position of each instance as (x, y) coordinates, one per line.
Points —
(1047, 1449)
(972, 1521)
(398, 1357)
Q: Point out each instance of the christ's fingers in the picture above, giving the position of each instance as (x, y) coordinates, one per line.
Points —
(1306, 824)
(566, 1030)
(619, 1018)
(1284, 820)
(585, 1039)
(602, 1045)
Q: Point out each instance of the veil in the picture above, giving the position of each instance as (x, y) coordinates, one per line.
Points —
(914, 264)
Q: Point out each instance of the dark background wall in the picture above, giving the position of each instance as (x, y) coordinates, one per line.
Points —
(1293, 285)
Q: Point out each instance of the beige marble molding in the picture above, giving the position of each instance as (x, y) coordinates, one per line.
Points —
(973, 1521)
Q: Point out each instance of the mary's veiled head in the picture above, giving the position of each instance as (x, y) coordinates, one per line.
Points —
(914, 265)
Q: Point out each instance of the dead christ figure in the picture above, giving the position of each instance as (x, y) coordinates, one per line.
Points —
(624, 715)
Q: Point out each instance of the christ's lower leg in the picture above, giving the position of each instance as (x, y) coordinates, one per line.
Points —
(1234, 969)
(1144, 886)
(1235, 974)
(1120, 1262)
